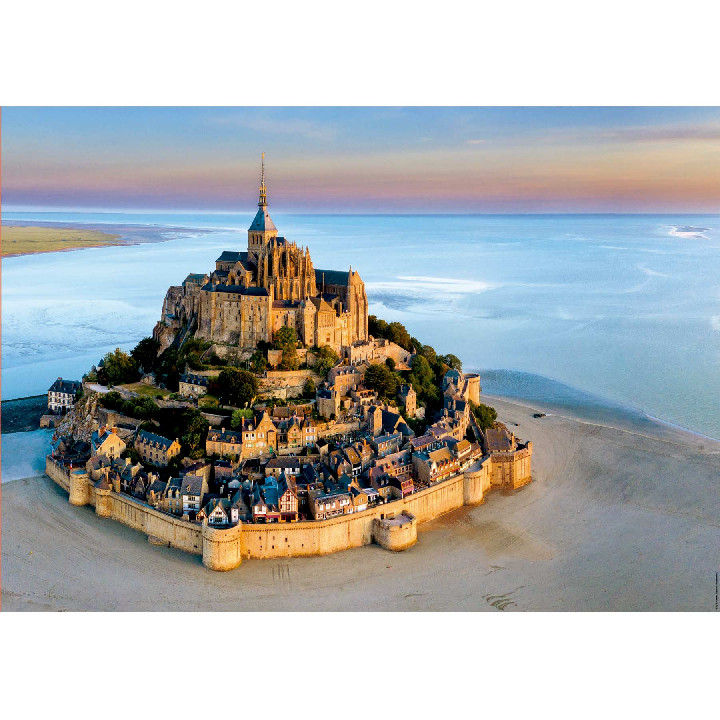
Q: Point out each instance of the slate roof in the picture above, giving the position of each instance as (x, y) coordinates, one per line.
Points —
(332, 277)
(191, 485)
(283, 462)
(224, 504)
(232, 256)
(237, 289)
(195, 379)
(195, 278)
(226, 436)
(262, 221)
(65, 386)
(148, 438)
(499, 439)
(441, 455)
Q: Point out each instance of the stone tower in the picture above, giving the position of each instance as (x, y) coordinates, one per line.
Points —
(262, 230)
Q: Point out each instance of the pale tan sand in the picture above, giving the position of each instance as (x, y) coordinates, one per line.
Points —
(613, 521)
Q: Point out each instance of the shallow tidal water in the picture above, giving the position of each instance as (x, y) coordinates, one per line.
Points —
(624, 308)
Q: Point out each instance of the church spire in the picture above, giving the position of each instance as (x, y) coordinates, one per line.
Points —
(263, 192)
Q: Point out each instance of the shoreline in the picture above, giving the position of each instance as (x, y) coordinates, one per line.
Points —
(127, 234)
(22, 414)
(613, 520)
(633, 417)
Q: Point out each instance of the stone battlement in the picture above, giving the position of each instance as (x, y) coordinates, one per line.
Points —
(393, 525)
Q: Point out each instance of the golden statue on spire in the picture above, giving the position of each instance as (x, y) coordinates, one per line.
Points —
(263, 191)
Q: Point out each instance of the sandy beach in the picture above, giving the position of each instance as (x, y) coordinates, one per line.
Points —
(616, 519)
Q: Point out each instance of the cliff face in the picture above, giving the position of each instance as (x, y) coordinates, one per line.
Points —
(82, 421)
(164, 334)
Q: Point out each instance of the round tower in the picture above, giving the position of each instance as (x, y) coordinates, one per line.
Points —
(221, 547)
(79, 487)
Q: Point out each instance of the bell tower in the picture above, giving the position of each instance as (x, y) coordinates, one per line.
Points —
(262, 230)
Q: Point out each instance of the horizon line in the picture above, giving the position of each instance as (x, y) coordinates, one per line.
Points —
(350, 213)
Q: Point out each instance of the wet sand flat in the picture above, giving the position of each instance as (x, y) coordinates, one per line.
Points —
(614, 520)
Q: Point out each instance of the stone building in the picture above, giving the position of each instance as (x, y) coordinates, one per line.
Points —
(61, 395)
(105, 441)
(156, 449)
(251, 294)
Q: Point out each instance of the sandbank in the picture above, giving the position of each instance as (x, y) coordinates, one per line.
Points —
(616, 519)
(23, 237)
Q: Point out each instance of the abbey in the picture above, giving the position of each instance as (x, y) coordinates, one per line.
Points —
(250, 295)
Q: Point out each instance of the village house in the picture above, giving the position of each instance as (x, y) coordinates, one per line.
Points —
(287, 499)
(239, 511)
(358, 495)
(154, 492)
(386, 444)
(191, 385)
(408, 398)
(295, 433)
(386, 420)
(195, 467)
(105, 441)
(171, 501)
(285, 412)
(62, 394)
(324, 504)
(353, 457)
(434, 466)
(224, 471)
(156, 449)
(283, 465)
(363, 397)
(192, 490)
(225, 443)
(265, 502)
(366, 452)
(216, 512)
(258, 436)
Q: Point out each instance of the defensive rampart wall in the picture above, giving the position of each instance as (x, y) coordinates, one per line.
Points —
(392, 525)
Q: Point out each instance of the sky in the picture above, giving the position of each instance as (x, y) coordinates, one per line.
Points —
(365, 159)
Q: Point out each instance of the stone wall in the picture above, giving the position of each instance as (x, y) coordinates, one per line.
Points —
(285, 383)
(396, 534)
(224, 549)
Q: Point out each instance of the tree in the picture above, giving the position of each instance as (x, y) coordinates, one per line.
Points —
(145, 353)
(234, 386)
(398, 334)
(195, 431)
(422, 374)
(391, 363)
(376, 327)
(286, 340)
(309, 388)
(326, 358)
(143, 408)
(485, 415)
(117, 368)
(383, 380)
(428, 352)
(258, 363)
(452, 361)
(238, 416)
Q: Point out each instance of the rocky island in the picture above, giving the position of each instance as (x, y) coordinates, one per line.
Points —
(270, 416)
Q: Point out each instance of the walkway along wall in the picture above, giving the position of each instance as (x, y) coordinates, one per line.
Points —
(224, 549)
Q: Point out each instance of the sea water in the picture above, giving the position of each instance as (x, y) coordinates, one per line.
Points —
(624, 307)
